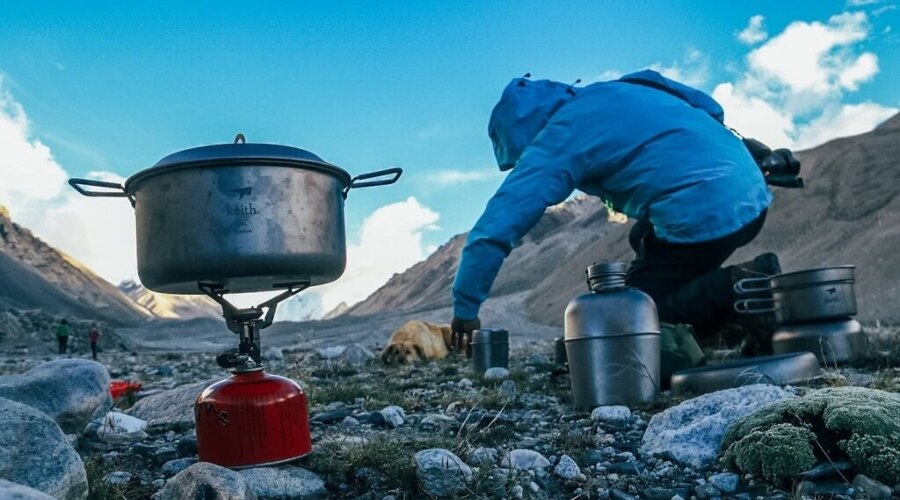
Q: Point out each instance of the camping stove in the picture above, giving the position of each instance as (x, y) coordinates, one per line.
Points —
(251, 418)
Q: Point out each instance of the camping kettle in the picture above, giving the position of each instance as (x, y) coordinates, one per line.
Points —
(612, 340)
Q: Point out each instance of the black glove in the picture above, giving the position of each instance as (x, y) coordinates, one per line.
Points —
(779, 167)
(461, 334)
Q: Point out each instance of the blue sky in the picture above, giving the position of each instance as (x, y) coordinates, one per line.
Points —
(367, 85)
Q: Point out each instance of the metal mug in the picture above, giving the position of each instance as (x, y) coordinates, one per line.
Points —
(490, 349)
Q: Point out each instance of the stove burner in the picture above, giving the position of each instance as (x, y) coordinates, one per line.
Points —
(247, 323)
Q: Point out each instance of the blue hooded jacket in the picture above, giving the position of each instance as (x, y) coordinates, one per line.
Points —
(650, 147)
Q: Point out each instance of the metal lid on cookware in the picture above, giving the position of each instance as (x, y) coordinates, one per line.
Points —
(813, 277)
(239, 153)
(490, 336)
(779, 369)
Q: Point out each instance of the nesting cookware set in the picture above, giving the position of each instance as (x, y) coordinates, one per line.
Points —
(814, 310)
(242, 217)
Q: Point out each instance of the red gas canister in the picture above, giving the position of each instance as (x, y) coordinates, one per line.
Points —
(250, 419)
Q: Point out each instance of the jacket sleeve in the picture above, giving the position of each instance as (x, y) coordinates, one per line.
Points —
(696, 98)
(545, 175)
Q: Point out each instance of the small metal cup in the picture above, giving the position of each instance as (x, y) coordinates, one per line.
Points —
(490, 348)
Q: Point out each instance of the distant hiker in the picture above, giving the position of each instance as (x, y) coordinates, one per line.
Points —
(94, 337)
(62, 335)
(651, 148)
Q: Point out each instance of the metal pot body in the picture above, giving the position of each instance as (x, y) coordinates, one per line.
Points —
(612, 342)
(252, 419)
(490, 348)
(244, 228)
(832, 342)
(621, 370)
(812, 295)
(238, 217)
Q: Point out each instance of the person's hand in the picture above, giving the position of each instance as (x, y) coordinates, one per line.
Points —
(461, 334)
(779, 167)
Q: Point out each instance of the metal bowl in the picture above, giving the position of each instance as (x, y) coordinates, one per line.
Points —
(831, 341)
(779, 369)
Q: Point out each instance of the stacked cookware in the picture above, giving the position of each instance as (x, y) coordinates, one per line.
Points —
(814, 310)
(233, 218)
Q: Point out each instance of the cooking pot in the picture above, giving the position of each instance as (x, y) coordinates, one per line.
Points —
(811, 295)
(832, 342)
(241, 217)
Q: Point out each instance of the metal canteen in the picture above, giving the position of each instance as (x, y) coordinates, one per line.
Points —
(243, 217)
(779, 369)
(810, 295)
(490, 348)
(612, 340)
(832, 342)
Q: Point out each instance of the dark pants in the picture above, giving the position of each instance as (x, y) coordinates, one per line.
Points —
(94, 350)
(687, 281)
(63, 341)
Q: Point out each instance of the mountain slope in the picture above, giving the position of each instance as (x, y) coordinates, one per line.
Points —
(849, 213)
(33, 275)
(164, 305)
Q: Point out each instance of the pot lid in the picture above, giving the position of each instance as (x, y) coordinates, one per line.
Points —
(237, 153)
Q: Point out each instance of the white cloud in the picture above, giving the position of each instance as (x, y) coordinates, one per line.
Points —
(860, 3)
(753, 117)
(609, 74)
(99, 232)
(452, 177)
(793, 87)
(847, 120)
(815, 58)
(390, 241)
(755, 31)
(692, 69)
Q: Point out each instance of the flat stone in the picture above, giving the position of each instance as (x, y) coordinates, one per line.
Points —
(356, 355)
(566, 468)
(284, 482)
(441, 473)
(118, 477)
(825, 470)
(392, 417)
(538, 360)
(165, 453)
(329, 417)
(331, 352)
(692, 431)
(483, 457)
(658, 493)
(187, 446)
(206, 481)
(524, 460)
(68, 390)
(35, 453)
(496, 373)
(707, 491)
(615, 415)
(872, 488)
(349, 422)
(174, 407)
(726, 482)
(13, 491)
(508, 389)
(173, 467)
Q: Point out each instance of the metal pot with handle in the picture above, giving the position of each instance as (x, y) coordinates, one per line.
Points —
(810, 295)
(242, 217)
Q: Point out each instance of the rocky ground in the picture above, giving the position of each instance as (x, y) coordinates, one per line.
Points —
(438, 429)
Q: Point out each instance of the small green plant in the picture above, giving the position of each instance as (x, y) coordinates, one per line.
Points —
(99, 489)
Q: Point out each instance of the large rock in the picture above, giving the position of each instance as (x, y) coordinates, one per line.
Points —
(284, 483)
(34, 452)
(524, 460)
(204, 480)
(441, 473)
(68, 390)
(172, 407)
(692, 431)
(13, 491)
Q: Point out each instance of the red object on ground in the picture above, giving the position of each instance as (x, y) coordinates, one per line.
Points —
(119, 388)
(252, 419)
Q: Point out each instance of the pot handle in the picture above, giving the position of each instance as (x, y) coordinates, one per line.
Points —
(354, 182)
(119, 190)
(749, 306)
(749, 285)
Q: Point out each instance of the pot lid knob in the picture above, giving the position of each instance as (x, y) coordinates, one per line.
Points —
(240, 139)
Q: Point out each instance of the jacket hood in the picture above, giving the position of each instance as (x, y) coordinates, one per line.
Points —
(523, 110)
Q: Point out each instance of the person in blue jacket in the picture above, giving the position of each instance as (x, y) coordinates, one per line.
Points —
(651, 148)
